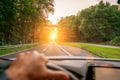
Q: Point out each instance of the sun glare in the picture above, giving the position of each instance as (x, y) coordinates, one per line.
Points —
(53, 19)
(53, 36)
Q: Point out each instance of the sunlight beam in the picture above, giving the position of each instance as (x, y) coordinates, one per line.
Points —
(53, 36)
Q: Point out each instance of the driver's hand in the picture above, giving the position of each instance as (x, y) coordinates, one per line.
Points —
(32, 66)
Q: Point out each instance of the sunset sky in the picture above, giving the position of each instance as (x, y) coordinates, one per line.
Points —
(69, 7)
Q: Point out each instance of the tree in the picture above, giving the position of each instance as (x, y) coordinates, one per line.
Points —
(67, 29)
(20, 20)
(98, 23)
(118, 1)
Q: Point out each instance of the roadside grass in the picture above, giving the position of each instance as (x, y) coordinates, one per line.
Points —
(10, 50)
(99, 50)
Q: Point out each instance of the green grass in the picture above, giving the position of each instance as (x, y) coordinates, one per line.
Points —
(10, 50)
(98, 50)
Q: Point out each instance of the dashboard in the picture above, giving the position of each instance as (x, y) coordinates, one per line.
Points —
(82, 68)
(91, 69)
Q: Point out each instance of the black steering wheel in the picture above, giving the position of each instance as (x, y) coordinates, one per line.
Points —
(56, 67)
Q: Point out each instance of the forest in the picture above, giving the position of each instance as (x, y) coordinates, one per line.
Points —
(22, 21)
(97, 24)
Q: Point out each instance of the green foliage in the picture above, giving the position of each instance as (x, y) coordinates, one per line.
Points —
(118, 1)
(116, 40)
(98, 23)
(20, 20)
(67, 29)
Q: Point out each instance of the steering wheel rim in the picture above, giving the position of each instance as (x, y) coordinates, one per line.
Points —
(56, 67)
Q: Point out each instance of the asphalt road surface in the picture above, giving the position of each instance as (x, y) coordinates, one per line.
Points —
(54, 49)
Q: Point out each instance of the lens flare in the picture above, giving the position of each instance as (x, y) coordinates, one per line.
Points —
(53, 36)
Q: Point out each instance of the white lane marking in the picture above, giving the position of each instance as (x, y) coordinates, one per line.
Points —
(44, 49)
(65, 51)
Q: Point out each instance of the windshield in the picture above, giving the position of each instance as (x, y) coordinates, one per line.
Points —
(85, 28)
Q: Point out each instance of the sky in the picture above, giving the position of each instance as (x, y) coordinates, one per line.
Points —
(71, 7)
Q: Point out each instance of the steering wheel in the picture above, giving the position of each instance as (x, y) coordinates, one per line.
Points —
(56, 67)
(5, 65)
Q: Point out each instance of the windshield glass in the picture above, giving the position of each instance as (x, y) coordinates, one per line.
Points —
(85, 28)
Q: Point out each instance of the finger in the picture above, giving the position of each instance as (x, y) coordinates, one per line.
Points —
(41, 56)
(44, 58)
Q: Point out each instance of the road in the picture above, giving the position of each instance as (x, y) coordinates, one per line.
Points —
(54, 49)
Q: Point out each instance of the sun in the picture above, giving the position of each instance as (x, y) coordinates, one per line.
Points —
(53, 36)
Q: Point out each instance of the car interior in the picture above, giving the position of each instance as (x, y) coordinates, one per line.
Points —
(80, 68)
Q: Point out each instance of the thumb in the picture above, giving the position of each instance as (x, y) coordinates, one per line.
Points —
(57, 75)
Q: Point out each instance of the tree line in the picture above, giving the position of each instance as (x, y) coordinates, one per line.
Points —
(22, 20)
(98, 23)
